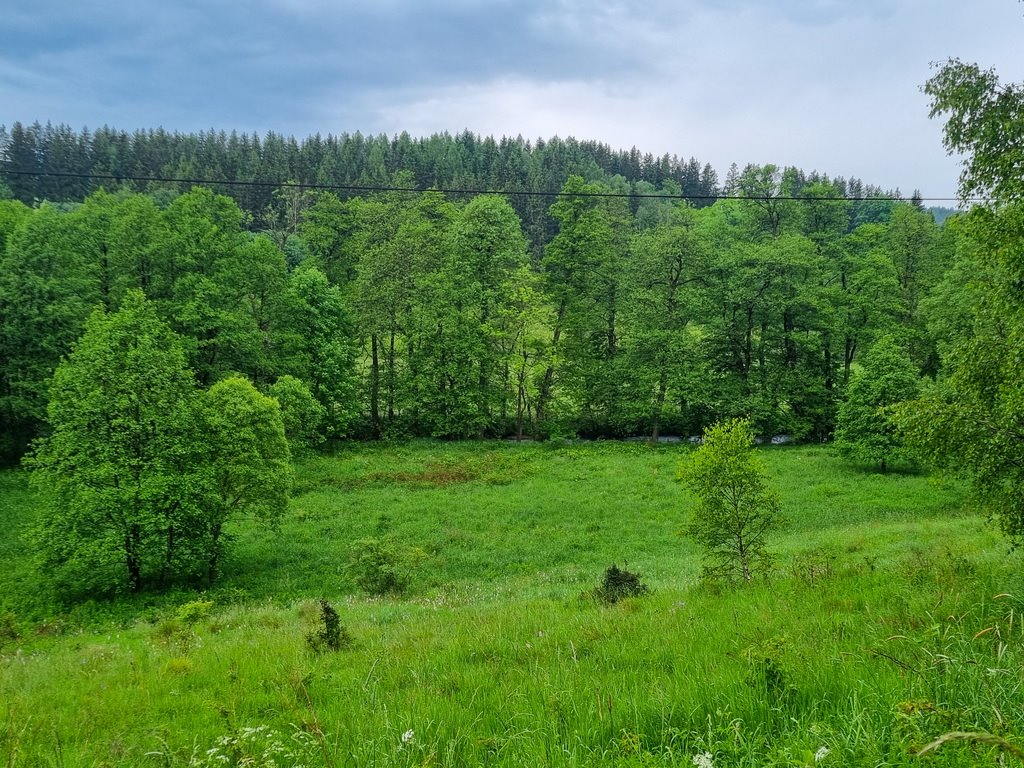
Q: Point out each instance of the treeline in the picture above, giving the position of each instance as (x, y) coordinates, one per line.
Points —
(59, 164)
(417, 314)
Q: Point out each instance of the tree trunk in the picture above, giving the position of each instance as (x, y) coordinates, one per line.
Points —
(391, 377)
(132, 544)
(659, 403)
(374, 388)
(211, 573)
(544, 395)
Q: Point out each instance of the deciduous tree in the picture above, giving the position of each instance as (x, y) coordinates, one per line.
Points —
(736, 510)
(972, 422)
(117, 467)
(247, 464)
(864, 429)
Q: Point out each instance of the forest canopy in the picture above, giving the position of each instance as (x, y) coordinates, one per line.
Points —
(608, 306)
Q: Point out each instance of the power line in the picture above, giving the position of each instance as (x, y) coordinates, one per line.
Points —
(453, 191)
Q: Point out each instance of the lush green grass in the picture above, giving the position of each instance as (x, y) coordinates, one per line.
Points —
(866, 641)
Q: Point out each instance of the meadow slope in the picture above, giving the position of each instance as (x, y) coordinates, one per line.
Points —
(893, 617)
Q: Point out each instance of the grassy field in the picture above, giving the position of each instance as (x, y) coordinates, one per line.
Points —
(894, 616)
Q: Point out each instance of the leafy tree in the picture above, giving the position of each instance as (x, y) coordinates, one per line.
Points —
(667, 268)
(985, 125)
(763, 327)
(736, 510)
(864, 430)
(250, 290)
(325, 230)
(972, 422)
(317, 337)
(137, 237)
(483, 272)
(583, 267)
(302, 415)
(48, 287)
(863, 291)
(399, 241)
(920, 252)
(12, 213)
(206, 265)
(247, 461)
(141, 472)
(117, 468)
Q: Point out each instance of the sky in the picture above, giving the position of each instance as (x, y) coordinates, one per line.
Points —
(819, 84)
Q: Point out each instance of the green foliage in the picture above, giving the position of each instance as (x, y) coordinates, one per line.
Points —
(116, 469)
(12, 213)
(246, 460)
(49, 283)
(140, 471)
(736, 510)
(413, 314)
(583, 269)
(767, 668)
(194, 611)
(984, 124)
(325, 230)
(319, 345)
(864, 430)
(382, 565)
(970, 422)
(661, 340)
(617, 584)
(302, 415)
(330, 634)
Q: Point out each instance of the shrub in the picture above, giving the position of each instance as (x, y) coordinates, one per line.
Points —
(617, 584)
(383, 566)
(330, 635)
(193, 612)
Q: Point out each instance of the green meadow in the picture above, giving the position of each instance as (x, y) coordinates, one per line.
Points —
(462, 576)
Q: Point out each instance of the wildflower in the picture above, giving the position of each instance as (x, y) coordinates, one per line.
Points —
(703, 760)
(821, 754)
(408, 737)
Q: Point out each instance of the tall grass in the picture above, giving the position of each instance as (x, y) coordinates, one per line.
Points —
(894, 617)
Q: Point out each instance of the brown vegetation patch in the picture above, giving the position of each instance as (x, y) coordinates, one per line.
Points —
(494, 468)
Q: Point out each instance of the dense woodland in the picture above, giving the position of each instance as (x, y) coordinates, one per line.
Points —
(614, 307)
(56, 163)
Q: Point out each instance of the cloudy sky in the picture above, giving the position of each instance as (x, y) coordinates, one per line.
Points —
(831, 85)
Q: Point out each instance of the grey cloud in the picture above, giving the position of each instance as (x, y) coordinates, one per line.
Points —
(818, 83)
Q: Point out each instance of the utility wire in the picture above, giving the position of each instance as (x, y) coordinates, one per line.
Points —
(451, 191)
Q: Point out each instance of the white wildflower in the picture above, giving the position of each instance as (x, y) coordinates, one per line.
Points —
(703, 760)
(821, 754)
(409, 737)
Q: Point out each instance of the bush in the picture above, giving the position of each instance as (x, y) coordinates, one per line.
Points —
(382, 566)
(193, 612)
(330, 635)
(618, 584)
